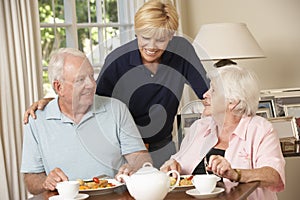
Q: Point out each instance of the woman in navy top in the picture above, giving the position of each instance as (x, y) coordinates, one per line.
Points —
(148, 74)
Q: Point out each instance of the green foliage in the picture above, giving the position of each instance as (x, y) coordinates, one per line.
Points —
(51, 38)
(54, 38)
(112, 10)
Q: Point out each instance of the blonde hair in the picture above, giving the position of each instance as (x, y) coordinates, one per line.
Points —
(156, 17)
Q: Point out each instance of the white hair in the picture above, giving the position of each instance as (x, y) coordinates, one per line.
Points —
(240, 85)
(57, 62)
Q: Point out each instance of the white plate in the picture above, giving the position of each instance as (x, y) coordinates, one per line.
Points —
(99, 191)
(197, 195)
(183, 187)
(79, 196)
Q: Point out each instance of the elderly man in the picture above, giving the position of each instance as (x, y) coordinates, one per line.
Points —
(78, 135)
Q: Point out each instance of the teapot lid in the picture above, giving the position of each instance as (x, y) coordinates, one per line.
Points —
(146, 169)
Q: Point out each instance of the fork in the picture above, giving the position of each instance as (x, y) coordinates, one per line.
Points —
(205, 165)
(103, 176)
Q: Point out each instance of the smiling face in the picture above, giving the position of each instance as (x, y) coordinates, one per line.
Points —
(155, 24)
(152, 47)
(78, 86)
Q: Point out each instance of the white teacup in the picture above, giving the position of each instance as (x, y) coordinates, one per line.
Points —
(68, 189)
(205, 183)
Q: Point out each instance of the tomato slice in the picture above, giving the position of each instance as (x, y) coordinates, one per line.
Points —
(96, 180)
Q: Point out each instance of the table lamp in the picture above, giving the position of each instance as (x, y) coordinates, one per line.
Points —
(226, 41)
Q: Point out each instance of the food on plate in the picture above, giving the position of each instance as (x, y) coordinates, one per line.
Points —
(95, 183)
(184, 181)
(172, 181)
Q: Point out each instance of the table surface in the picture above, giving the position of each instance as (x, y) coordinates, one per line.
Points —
(241, 191)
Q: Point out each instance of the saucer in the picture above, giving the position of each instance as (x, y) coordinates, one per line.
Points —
(197, 195)
(79, 196)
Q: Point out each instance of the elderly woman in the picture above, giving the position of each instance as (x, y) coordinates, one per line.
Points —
(239, 146)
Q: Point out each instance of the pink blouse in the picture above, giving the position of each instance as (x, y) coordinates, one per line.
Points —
(253, 144)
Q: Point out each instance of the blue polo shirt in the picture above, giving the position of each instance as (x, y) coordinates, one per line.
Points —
(94, 146)
(152, 99)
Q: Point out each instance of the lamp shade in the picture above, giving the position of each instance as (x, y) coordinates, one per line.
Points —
(226, 41)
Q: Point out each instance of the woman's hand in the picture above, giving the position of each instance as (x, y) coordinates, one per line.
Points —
(171, 165)
(39, 105)
(221, 167)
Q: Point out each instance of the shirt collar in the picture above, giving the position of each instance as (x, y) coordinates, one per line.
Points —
(53, 110)
(212, 126)
(241, 129)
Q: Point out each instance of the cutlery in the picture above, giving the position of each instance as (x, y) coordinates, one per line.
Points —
(205, 164)
(103, 176)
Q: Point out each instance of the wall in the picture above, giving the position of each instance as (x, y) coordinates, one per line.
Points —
(275, 25)
(292, 176)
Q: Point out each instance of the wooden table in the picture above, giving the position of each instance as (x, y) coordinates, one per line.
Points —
(240, 192)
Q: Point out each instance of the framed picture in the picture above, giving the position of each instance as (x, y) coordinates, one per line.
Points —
(188, 119)
(293, 110)
(288, 146)
(285, 126)
(277, 107)
(184, 121)
(281, 97)
(269, 104)
(263, 112)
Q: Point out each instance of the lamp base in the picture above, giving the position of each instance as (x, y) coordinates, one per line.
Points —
(224, 62)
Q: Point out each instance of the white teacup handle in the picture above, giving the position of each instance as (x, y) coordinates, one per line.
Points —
(177, 181)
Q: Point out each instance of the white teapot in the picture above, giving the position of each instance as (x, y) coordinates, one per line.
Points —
(148, 183)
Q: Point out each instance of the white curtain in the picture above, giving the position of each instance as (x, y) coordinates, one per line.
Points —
(178, 6)
(188, 94)
(21, 84)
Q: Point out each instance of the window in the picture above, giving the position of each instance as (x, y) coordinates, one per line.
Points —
(94, 26)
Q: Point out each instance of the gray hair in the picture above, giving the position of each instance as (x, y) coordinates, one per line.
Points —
(240, 85)
(57, 62)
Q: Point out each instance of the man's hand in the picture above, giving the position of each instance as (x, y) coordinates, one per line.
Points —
(55, 176)
(37, 183)
(39, 105)
(125, 169)
(134, 162)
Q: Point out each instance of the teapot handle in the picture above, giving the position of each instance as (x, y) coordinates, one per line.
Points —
(177, 181)
(121, 177)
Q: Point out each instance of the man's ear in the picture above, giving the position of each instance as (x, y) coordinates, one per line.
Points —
(57, 86)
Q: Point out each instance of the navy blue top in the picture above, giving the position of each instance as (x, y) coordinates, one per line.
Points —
(200, 169)
(152, 99)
